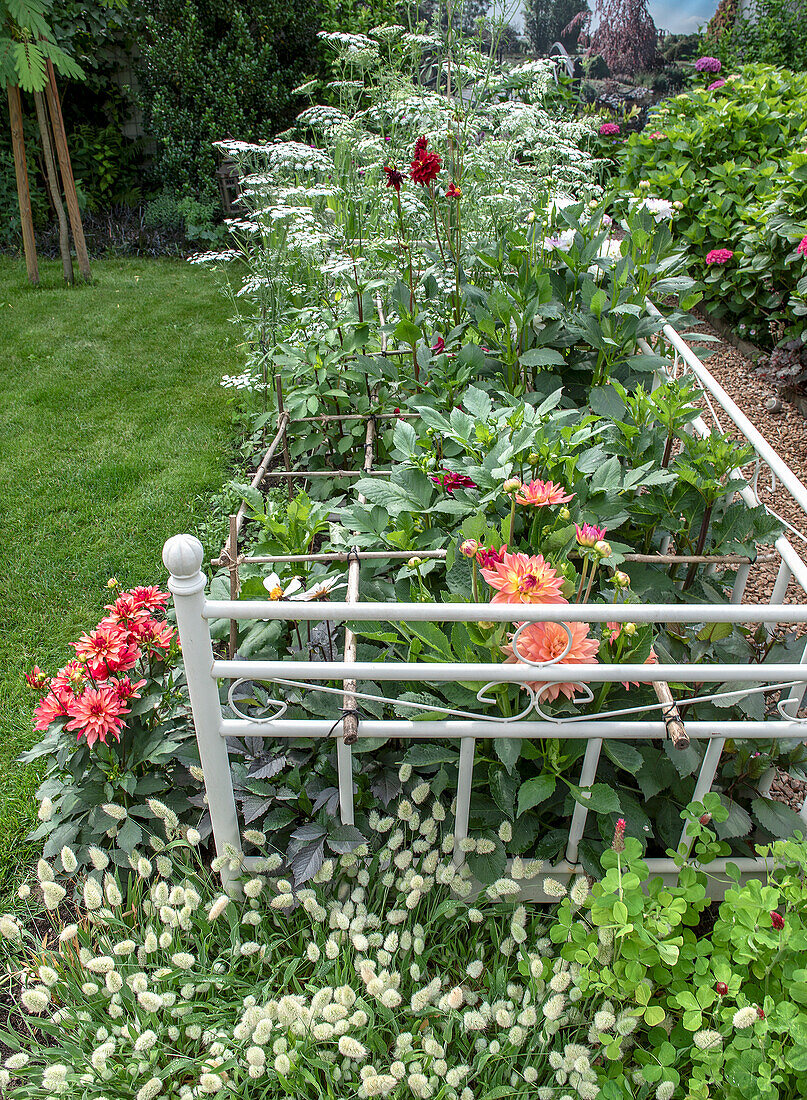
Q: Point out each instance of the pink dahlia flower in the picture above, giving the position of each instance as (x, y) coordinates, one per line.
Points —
(708, 65)
(522, 579)
(107, 649)
(588, 535)
(545, 641)
(719, 256)
(542, 493)
(802, 248)
(609, 129)
(96, 714)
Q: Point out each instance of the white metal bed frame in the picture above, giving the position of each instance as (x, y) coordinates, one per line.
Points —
(183, 557)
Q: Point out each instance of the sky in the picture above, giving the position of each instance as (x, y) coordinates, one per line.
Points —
(681, 16)
(677, 16)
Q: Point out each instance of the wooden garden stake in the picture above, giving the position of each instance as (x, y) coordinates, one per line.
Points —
(68, 183)
(53, 186)
(23, 193)
(234, 585)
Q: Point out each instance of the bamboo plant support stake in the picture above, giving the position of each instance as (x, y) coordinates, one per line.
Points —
(672, 719)
(66, 168)
(53, 186)
(234, 583)
(281, 413)
(23, 192)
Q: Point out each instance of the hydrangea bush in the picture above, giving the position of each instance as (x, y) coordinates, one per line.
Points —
(730, 160)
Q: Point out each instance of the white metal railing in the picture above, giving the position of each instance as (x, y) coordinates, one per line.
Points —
(183, 557)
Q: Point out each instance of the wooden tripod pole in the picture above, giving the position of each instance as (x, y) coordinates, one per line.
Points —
(53, 185)
(23, 194)
(68, 183)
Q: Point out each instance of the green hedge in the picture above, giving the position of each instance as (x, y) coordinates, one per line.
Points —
(732, 158)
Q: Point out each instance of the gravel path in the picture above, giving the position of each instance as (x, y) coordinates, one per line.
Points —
(786, 431)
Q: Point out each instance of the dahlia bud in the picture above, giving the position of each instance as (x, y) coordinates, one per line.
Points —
(629, 629)
(777, 920)
(511, 485)
(760, 1013)
(678, 205)
(112, 582)
(565, 513)
(533, 458)
(531, 217)
(705, 819)
(620, 579)
(469, 548)
(603, 548)
(485, 625)
(721, 989)
(414, 563)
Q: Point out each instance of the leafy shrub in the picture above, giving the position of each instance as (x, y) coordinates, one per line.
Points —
(773, 32)
(725, 158)
(116, 734)
(215, 69)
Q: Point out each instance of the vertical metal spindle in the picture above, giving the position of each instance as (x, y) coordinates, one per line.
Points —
(779, 591)
(183, 556)
(740, 581)
(465, 776)
(232, 553)
(588, 773)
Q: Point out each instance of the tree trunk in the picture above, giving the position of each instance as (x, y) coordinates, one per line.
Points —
(53, 186)
(23, 193)
(68, 182)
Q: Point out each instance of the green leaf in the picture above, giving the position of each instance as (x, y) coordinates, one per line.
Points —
(601, 799)
(625, 756)
(487, 869)
(776, 817)
(508, 750)
(607, 477)
(344, 839)
(427, 753)
(503, 788)
(541, 357)
(654, 1015)
(535, 791)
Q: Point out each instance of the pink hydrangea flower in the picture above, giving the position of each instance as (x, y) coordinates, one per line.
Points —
(717, 84)
(802, 248)
(719, 256)
(708, 65)
(609, 129)
(657, 135)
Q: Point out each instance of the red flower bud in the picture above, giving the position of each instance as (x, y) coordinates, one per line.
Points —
(777, 920)
(722, 989)
(761, 1014)
(705, 819)
(618, 843)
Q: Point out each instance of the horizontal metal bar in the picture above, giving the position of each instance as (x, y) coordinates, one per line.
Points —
(453, 728)
(505, 612)
(347, 555)
(796, 488)
(327, 417)
(516, 673)
(326, 473)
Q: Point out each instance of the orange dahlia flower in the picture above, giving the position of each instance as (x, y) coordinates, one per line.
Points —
(542, 493)
(522, 579)
(546, 641)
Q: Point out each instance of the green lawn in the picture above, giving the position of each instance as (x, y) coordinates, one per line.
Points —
(113, 428)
